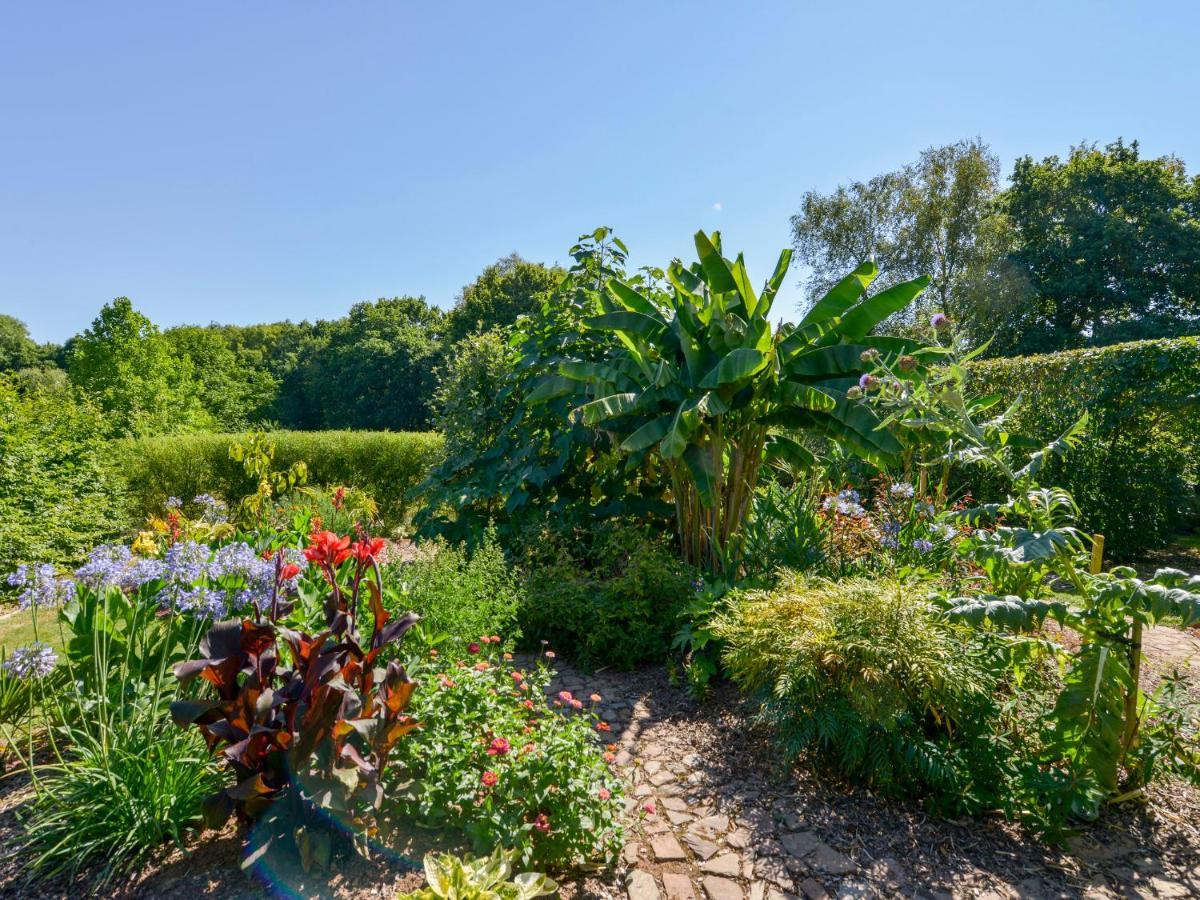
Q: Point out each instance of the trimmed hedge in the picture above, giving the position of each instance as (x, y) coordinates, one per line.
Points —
(1136, 477)
(387, 465)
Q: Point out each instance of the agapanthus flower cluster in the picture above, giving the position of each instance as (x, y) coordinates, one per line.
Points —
(36, 660)
(214, 511)
(42, 586)
(174, 503)
(847, 503)
(115, 565)
(903, 489)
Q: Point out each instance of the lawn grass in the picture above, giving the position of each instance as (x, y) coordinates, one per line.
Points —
(17, 629)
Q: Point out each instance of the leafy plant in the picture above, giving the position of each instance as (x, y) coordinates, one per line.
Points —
(495, 763)
(451, 877)
(307, 722)
(698, 377)
(459, 593)
(866, 677)
(257, 455)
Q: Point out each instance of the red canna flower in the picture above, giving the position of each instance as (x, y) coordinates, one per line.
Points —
(603, 726)
(288, 572)
(327, 549)
(367, 549)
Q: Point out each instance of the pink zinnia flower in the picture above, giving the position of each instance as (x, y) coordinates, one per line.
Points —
(576, 704)
(604, 793)
(596, 698)
(564, 696)
(499, 747)
(542, 823)
(490, 778)
(472, 647)
(650, 808)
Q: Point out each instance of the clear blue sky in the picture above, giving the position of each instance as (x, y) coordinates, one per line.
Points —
(243, 162)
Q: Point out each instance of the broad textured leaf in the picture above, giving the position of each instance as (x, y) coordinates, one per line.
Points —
(843, 295)
(737, 365)
(859, 321)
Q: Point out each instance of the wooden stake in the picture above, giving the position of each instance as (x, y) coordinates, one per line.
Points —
(1097, 554)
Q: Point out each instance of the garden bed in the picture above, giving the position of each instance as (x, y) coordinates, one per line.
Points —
(729, 824)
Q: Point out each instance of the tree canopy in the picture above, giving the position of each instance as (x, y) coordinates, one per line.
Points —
(1109, 243)
(508, 288)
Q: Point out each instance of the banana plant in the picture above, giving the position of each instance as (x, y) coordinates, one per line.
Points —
(699, 376)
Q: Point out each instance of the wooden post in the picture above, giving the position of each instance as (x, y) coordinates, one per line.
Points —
(923, 479)
(1097, 554)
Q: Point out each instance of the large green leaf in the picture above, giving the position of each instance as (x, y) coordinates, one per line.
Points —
(742, 278)
(775, 281)
(717, 270)
(606, 408)
(684, 424)
(700, 463)
(631, 299)
(843, 295)
(827, 362)
(649, 434)
(859, 321)
(632, 323)
(553, 386)
(785, 449)
(805, 395)
(737, 365)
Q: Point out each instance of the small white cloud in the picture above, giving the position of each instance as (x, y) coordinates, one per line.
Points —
(718, 206)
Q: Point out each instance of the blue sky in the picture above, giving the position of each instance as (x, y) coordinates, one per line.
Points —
(246, 162)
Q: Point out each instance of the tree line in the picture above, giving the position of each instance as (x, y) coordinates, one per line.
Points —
(1098, 247)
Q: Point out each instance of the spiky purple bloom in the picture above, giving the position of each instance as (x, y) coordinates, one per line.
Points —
(42, 586)
(36, 660)
(939, 320)
(174, 503)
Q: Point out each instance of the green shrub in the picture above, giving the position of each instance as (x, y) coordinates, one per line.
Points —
(864, 676)
(460, 594)
(59, 492)
(494, 763)
(1135, 477)
(608, 599)
(387, 465)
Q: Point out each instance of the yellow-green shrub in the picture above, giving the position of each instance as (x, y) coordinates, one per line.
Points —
(387, 465)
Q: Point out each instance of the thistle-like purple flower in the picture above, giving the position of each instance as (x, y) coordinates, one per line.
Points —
(939, 320)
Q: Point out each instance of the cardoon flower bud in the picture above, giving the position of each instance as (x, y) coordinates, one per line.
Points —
(869, 355)
(907, 363)
(939, 320)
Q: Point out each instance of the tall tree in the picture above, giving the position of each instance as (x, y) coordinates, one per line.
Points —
(235, 388)
(935, 217)
(1109, 243)
(125, 365)
(503, 291)
(374, 368)
(17, 349)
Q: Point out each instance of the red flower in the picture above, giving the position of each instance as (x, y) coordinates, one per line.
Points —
(288, 572)
(366, 550)
(472, 647)
(610, 757)
(490, 778)
(542, 823)
(499, 747)
(327, 549)
(482, 666)
(528, 704)
(603, 726)
(649, 807)
(604, 793)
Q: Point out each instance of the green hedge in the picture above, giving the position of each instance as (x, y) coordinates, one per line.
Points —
(1136, 478)
(388, 465)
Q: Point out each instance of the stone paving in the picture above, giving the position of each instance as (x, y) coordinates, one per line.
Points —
(699, 842)
(723, 830)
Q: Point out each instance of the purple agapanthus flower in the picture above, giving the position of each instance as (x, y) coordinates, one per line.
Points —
(922, 545)
(36, 660)
(42, 586)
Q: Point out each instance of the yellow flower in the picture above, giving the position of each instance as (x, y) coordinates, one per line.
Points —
(145, 544)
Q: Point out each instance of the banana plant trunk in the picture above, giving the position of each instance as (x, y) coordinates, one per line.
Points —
(710, 527)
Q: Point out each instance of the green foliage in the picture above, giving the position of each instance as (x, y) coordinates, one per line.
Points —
(17, 349)
(234, 390)
(386, 465)
(59, 489)
(867, 677)
(1135, 476)
(492, 762)
(126, 365)
(526, 460)
(697, 377)
(257, 455)
(606, 598)
(506, 290)
(1108, 242)
(114, 798)
(451, 877)
(373, 369)
(936, 216)
(459, 593)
